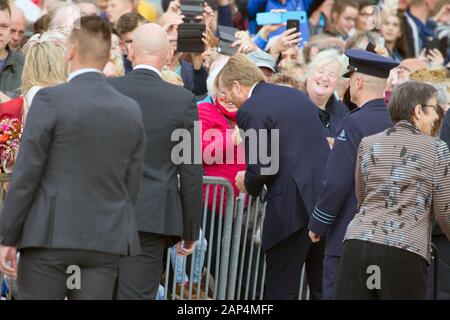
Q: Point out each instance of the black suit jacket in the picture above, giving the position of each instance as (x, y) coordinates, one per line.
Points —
(444, 136)
(303, 152)
(77, 172)
(162, 207)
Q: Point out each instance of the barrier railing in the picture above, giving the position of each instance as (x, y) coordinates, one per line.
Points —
(242, 265)
(208, 281)
(247, 266)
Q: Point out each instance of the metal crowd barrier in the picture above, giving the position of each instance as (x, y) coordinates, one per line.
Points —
(216, 228)
(247, 266)
(240, 274)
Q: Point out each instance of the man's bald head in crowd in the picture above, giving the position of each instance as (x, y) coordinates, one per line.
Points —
(413, 64)
(150, 45)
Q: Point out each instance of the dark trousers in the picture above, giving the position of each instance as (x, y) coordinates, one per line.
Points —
(51, 274)
(140, 276)
(330, 266)
(443, 272)
(401, 274)
(284, 264)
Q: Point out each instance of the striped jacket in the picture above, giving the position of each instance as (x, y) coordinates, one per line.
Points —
(402, 182)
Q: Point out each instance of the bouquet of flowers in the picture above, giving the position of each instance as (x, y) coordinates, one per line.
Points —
(10, 133)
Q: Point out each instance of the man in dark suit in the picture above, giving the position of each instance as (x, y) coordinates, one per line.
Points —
(165, 215)
(292, 177)
(69, 209)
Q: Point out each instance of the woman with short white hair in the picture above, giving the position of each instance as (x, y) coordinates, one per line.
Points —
(324, 74)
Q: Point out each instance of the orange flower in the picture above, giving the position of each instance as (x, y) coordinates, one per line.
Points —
(4, 138)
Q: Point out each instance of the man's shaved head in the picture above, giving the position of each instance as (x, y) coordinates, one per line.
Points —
(150, 40)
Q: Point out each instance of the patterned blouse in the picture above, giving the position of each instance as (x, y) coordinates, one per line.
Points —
(402, 183)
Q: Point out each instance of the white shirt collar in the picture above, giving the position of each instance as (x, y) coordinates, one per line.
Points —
(251, 90)
(148, 67)
(81, 71)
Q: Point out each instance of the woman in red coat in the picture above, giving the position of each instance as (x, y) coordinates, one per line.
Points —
(222, 150)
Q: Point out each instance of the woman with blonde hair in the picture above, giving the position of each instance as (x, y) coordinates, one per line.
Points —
(172, 77)
(43, 67)
(44, 64)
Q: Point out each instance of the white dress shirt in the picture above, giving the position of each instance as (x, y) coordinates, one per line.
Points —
(81, 71)
(148, 67)
(251, 90)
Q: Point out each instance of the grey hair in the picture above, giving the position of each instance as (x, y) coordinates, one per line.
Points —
(326, 57)
(72, 11)
(216, 67)
(407, 96)
(442, 96)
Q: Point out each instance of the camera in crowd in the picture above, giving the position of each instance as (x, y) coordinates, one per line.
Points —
(226, 39)
(191, 9)
(432, 43)
(190, 32)
(190, 37)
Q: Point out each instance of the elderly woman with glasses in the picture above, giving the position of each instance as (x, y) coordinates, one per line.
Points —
(402, 182)
(323, 77)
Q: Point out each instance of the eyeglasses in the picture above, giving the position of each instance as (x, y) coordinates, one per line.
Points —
(436, 107)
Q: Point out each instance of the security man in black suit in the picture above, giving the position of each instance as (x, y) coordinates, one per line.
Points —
(69, 209)
(164, 215)
(284, 120)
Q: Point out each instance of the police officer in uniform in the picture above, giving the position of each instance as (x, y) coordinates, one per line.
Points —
(337, 205)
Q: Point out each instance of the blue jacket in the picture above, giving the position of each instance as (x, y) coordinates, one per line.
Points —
(303, 152)
(337, 205)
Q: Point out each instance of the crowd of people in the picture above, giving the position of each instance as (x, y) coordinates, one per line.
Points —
(357, 97)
